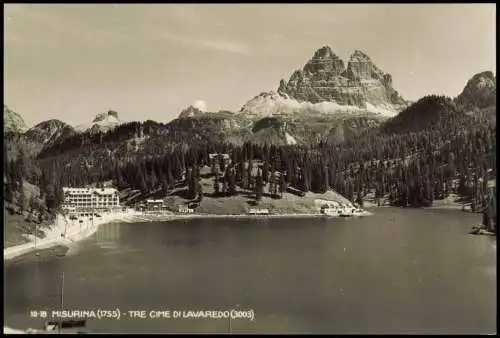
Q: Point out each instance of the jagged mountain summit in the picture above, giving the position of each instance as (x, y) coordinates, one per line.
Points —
(479, 92)
(102, 122)
(47, 132)
(325, 85)
(12, 121)
(191, 111)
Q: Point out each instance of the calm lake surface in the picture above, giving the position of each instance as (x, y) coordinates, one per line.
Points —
(398, 271)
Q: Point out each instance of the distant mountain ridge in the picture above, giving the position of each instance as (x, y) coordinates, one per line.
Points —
(292, 122)
(47, 132)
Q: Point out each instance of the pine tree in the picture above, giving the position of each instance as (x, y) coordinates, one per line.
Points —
(271, 184)
(265, 171)
(216, 184)
(326, 180)
(243, 175)
(249, 175)
(200, 191)
(33, 204)
(232, 182)
(21, 199)
(282, 184)
(192, 184)
(258, 187)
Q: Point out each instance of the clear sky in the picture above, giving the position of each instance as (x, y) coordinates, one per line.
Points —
(151, 61)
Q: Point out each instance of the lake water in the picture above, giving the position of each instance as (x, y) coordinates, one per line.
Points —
(398, 271)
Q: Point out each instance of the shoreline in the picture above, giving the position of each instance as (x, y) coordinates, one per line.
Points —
(76, 232)
(172, 217)
(73, 231)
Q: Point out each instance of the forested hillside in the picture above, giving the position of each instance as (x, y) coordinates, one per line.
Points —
(427, 152)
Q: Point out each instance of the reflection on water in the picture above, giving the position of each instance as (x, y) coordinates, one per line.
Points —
(406, 271)
(73, 249)
(108, 233)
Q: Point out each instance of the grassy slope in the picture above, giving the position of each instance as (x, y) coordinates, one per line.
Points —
(239, 204)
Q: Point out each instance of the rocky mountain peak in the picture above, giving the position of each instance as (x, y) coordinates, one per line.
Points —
(324, 51)
(360, 67)
(359, 56)
(47, 132)
(324, 78)
(190, 111)
(110, 114)
(481, 81)
(49, 124)
(12, 121)
(102, 122)
(479, 92)
(324, 61)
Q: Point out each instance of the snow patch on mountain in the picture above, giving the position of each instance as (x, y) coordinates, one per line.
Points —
(272, 104)
(102, 122)
(201, 105)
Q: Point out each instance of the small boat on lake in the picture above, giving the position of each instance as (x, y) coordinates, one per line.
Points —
(346, 211)
(480, 230)
(357, 212)
(486, 232)
(475, 230)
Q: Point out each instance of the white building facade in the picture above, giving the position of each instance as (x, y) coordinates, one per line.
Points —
(80, 199)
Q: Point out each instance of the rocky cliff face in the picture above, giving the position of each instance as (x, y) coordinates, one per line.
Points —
(324, 78)
(325, 85)
(479, 92)
(12, 121)
(47, 132)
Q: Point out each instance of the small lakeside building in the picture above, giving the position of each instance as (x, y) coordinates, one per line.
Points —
(255, 211)
(185, 209)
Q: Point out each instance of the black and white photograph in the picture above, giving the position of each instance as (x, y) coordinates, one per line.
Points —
(250, 168)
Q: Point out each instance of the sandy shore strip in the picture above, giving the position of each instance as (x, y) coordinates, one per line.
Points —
(74, 231)
(145, 217)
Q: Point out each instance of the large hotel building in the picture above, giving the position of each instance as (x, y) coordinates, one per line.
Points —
(88, 199)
